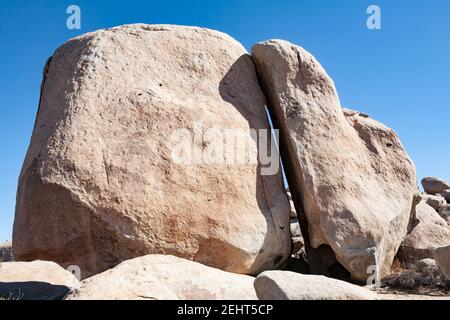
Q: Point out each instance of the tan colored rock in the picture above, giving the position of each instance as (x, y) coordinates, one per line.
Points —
(158, 277)
(297, 238)
(351, 174)
(37, 280)
(436, 202)
(442, 257)
(285, 285)
(433, 185)
(101, 183)
(430, 233)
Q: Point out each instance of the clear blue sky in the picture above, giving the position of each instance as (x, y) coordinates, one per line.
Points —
(400, 75)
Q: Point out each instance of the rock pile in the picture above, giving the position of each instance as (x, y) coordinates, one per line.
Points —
(127, 177)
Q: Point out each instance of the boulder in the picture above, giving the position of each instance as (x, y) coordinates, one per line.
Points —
(297, 238)
(444, 212)
(159, 277)
(37, 280)
(430, 233)
(124, 159)
(442, 256)
(433, 185)
(6, 252)
(350, 175)
(446, 195)
(285, 285)
(436, 202)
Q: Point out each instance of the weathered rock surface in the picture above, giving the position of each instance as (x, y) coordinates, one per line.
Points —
(436, 202)
(158, 277)
(6, 252)
(442, 256)
(297, 238)
(37, 280)
(350, 175)
(100, 183)
(284, 285)
(446, 195)
(423, 273)
(444, 212)
(430, 233)
(433, 185)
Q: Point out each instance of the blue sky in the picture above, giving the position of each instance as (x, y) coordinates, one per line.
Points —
(400, 75)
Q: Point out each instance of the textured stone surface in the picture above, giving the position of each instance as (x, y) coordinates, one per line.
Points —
(99, 184)
(158, 277)
(446, 195)
(284, 285)
(444, 212)
(6, 252)
(430, 233)
(37, 280)
(436, 202)
(442, 257)
(433, 185)
(349, 175)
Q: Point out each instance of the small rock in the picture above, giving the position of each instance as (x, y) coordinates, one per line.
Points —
(434, 201)
(37, 280)
(433, 185)
(285, 285)
(442, 256)
(446, 195)
(162, 277)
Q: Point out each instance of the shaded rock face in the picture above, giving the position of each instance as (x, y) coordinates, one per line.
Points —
(6, 252)
(100, 185)
(284, 285)
(158, 277)
(351, 180)
(37, 280)
(442, 256)
(423, 273)
(433, 185)
(431, 232)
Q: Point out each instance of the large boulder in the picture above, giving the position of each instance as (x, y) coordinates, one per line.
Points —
(442, 256)
(433, 185)
(285, 285)
(431, 232)
(37, 280)
(124, 157)
(159, 277)
(350, 176)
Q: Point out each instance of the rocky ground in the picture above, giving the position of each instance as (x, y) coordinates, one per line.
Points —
(126, 192)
